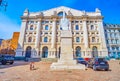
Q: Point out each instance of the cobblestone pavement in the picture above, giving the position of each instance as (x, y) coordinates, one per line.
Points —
(20, 71)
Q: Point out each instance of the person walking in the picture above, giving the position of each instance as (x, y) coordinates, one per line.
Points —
(31, 65)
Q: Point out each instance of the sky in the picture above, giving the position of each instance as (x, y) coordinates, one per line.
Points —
(10, 19)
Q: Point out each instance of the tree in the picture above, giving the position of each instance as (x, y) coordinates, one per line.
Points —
(0, 2)
(4, 4)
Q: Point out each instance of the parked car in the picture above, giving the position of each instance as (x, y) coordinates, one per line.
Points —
(81, 61)
(6, 58)
(98, 64)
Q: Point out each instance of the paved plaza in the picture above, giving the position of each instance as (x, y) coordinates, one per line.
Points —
(20, 71)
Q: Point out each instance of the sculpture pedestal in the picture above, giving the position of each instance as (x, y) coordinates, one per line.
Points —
(19, 52)
(66, 60)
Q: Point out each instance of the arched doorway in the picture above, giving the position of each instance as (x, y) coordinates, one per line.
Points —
(28, 52)
(78, 52)
(94, 51)
(45, 52)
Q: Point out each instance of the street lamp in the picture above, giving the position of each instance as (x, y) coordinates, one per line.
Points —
(4, 4)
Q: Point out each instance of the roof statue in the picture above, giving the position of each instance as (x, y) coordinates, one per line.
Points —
(97, 10)
(64, 22)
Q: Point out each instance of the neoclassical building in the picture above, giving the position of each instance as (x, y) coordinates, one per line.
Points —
(40, 33)
(112, 34)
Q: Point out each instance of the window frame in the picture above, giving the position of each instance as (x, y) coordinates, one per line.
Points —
(76, 27)
(45, 39)
(77, 39)
(46, 27)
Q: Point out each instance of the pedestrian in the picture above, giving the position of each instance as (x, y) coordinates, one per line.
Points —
(31, 65)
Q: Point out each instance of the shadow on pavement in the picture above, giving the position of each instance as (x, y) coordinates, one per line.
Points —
(16, 63)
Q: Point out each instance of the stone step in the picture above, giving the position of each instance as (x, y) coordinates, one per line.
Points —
(57, 66)
(67, 62)
(33, 59)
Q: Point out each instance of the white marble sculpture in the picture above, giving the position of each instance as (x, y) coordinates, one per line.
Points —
(64, 23)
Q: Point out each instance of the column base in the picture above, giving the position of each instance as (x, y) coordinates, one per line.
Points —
(62, 66)
(52, 53)
(35, 53)
(19, 53)
(104, 53)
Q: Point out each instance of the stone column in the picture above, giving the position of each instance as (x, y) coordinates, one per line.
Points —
(70, 24)
(53, 41)
(37, 42)
(38, 34)
(22, 33)
(102, 34)
(20, 48)
(85, 33)
(102, 38)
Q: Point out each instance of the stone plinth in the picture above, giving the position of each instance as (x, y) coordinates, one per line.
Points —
(66, 60)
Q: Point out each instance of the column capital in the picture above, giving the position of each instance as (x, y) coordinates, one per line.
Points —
(54, 19)
(39, 16)
(100, 20)
(70, 19)
(39, 19)
(84, 19)
(24, 20)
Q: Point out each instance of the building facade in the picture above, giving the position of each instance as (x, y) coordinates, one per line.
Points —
(40, 33)
(112, 33)
(5, 47)
(14, 41)
(1, 41)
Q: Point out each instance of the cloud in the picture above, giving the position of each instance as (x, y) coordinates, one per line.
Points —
(7, 27)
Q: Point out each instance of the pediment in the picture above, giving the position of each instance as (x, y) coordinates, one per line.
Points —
(61, 9)
(67, 10)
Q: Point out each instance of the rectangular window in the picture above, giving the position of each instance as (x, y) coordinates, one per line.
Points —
(46, 27)
(72, 22)
(76, 21)
(32, 22)
(42, 22)
(80, 21)
(45, 39)
(93, 39)
(77, 32)
(46, 32)
(91, 21)
(36, 21)
(46, 21)
(50, 21)
(87, 21)
(107, 41)
(77, 39)
(77, 27)
(57, 22)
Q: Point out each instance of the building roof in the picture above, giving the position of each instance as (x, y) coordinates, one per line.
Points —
(111, 25)
(74, 12)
